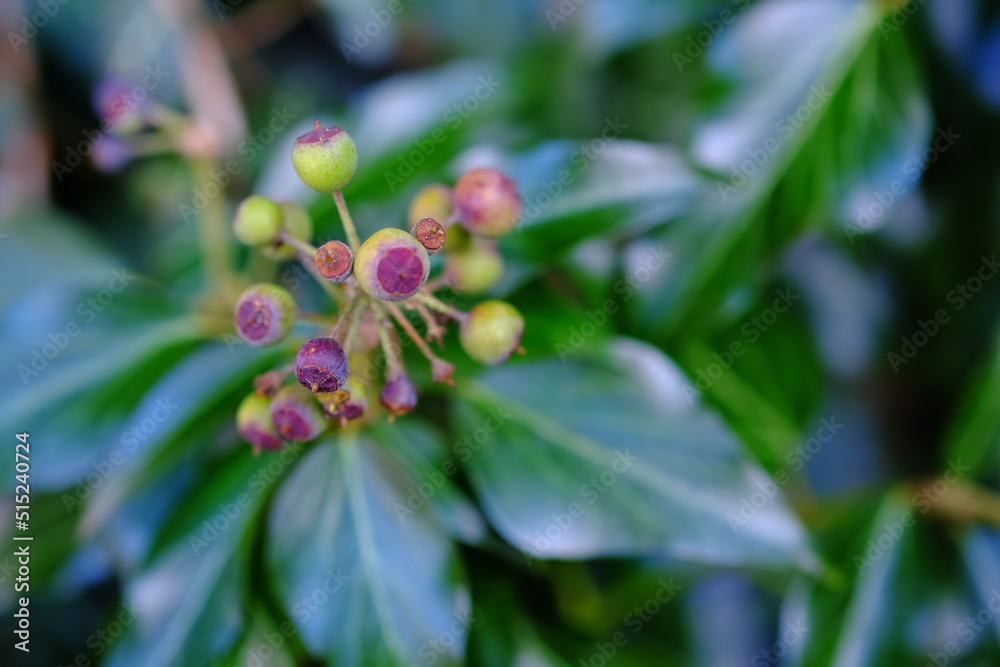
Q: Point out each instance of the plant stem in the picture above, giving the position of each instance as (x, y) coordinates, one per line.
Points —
(436, 304)
(394, 366)
(301, 246)
(213, 233)
(345, 218)
(421, 344)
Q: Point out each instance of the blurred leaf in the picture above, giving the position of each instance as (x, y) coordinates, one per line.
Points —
(189, 601)
(365, 579)
(573, 461)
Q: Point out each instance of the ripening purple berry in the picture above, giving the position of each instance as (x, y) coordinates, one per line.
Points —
(350, 405)
(111, 154)
(253, 422)
(399, 396)
(265, 314)
(296, 414)
(430, 233)
(487, 203)
(334, 261)
(321, 366)
(119, 109)
(392, 265)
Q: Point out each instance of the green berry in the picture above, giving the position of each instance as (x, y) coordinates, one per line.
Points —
(325, 158)
(474, 269)
(253, 422)
(296, 414)
(297, 223)
(491, 331)
(487, 203)
(258, 221)
(433, 201)
(391, 265)
(265, 314)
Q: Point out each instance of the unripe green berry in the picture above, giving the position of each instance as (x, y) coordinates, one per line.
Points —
(265, 314)
(325, 158)
(487, 203)
(334, 261)
(253, 422)
(297, 223)
(433, 201)
(296, 414)
(491, 331)
(258, 221)
(391, 265)
(474, 269)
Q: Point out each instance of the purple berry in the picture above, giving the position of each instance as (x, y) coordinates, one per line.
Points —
(430, 233)
(253, 421)
(334, 261)
(487, 203)
(399, 396)
(265, 314)
(392, 265)
(296, 414)
(321, 366)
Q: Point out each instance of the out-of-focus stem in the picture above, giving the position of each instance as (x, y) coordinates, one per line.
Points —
(345, 217)
(213, 232)
(394, 364)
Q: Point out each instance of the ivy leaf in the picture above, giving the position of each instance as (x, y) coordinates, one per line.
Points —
(364, 580)
(576, 461)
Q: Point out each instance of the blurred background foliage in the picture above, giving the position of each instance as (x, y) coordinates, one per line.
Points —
(814, 477)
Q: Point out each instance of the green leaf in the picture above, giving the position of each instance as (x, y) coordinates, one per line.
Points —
(576, 461)
(365, 580)
(189, 602)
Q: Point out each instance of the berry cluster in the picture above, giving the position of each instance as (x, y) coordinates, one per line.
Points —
(372, 282)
